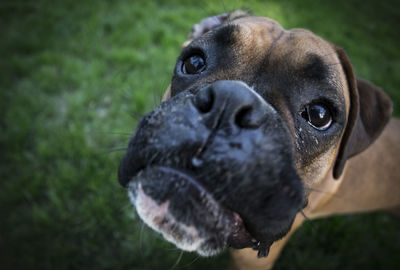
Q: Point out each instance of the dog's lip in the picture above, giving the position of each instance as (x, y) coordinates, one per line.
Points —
(237, 236)
(240, 237)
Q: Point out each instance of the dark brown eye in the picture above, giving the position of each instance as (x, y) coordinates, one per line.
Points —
(194, 64)
(318, 116)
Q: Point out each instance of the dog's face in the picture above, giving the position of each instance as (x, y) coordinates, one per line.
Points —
(255, 118)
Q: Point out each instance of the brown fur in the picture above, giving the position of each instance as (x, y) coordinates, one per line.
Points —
(368, 181)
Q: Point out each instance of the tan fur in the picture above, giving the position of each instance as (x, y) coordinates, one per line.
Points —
(371, 180)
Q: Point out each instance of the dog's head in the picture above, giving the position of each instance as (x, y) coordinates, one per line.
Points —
(254, 117)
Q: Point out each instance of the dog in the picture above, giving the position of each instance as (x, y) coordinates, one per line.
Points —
(256, 122)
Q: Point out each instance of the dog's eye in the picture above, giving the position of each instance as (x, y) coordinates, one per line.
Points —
(194, 64)
(318, 116)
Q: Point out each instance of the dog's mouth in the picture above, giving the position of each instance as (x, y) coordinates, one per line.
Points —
(173, 203)
(207, 180)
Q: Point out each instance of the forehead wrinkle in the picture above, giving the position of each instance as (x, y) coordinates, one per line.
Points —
(314, 67)
(246, 41)
(300, 45)
(257, 36)
(226, 35)
(265, 43)
(302, 49)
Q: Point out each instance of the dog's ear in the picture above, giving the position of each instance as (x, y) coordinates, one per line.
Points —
(212, 22)
(370, 110)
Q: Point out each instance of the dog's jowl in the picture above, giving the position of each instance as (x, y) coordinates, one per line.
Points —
(256, 117)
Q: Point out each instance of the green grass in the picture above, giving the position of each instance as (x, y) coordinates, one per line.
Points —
(73, 77)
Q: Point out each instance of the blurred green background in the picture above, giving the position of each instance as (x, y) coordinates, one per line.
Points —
(74, 78)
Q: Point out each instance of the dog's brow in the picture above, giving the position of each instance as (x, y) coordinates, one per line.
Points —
(226, 34)
(314, 67)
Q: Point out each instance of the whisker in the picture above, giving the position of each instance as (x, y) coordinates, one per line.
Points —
(224, 6)
(318, 190)
(141, 238)
(156, 98)
(327, 54)
(136, 115)
(165, 86)
(333, 64)
(113, 151)
(204, 10)
(335, 196)
(115, 133)
(309, 223)
(154, 157)
(177, 261)
(192, 262)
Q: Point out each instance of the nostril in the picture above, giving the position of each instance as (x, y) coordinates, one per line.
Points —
(204, 99)
(246, 118)
(229, 105)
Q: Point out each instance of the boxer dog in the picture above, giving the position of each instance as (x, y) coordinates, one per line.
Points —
(255, 132)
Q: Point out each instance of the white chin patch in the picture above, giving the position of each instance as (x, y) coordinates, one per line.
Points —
(158, 217)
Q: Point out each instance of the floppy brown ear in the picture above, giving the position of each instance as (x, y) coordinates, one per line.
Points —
(370, 111)
(212, 22)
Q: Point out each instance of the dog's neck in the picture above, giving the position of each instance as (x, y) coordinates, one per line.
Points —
(368, 177)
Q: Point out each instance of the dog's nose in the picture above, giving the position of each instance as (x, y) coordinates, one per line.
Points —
(230, 103)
